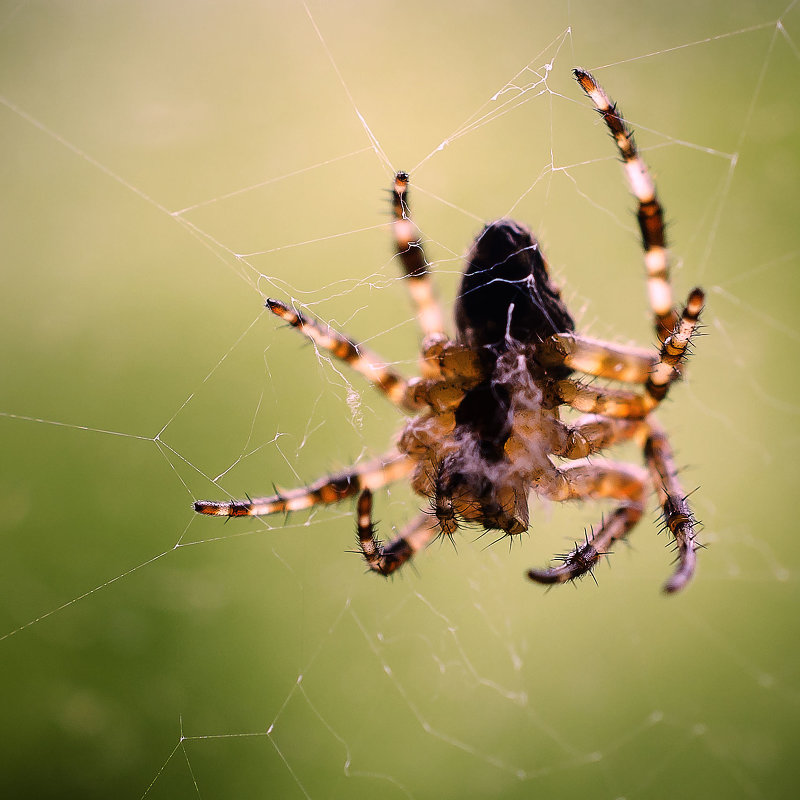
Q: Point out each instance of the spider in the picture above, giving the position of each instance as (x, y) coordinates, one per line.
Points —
(486, 428)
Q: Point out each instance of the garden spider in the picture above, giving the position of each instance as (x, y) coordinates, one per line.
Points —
(487, 427)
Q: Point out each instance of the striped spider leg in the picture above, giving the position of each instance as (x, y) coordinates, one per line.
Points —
(617, 415)
(595, 480)
(626, 414)
(407, 395)
(650, 214)
(386, 558)
(332, 489)
(412, 256)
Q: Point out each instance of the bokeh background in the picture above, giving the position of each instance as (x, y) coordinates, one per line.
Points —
(168, 165)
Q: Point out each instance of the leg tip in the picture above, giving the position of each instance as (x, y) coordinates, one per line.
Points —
(548, 577)
(585, 79)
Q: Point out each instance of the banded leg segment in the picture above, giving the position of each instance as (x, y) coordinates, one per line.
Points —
(650, 213)
(597, 480)
(674, 349)
(596, 357)
(678, 517)
(412, 257)
(360, 359)
(387, 558)
(325, 491)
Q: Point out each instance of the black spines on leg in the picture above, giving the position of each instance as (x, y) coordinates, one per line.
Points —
(581, 560)
(506, 292)
(395, 554)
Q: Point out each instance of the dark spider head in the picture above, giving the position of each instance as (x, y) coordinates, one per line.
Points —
(506, 292)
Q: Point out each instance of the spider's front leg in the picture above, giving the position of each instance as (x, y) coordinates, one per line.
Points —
(387, 558)
(360, 359)
(650, 214)
(412, 256)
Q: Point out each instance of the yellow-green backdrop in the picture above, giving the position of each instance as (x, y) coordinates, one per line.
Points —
(168, 165)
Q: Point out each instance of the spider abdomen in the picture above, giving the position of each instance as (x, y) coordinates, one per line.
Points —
(506, 293)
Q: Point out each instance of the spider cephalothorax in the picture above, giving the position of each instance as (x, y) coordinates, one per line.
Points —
(486, 429)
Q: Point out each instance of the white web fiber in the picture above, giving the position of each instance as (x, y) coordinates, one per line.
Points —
(167, 167)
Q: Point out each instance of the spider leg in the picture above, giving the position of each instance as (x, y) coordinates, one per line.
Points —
(596, 480)
(667, 368)
(444, 358)
(678, 517)
(674, 349)
(598, 358)
(592, 433)
(371, 475)
(386, 558)
(360, 359)
(412, 257)
(619, 403)
(650, 214)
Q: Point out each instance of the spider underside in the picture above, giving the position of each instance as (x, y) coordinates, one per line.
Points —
(486, 427)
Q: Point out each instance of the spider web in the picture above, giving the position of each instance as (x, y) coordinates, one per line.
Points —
(168, 166)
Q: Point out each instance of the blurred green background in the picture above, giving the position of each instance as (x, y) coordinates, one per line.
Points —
(148, 652)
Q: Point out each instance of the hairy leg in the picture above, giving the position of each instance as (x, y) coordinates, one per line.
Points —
(387, 558)
(677, 515)
(596, 480)
(371, 475)
(596, 357)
